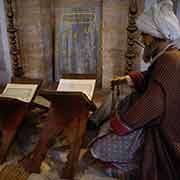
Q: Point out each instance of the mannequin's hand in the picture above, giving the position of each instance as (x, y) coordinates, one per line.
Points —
(122, 80)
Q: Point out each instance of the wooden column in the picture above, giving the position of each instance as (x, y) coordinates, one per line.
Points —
(132, 32)
(13, 42)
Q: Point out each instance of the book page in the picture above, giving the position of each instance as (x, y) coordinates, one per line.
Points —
(42, 101)
(23, 92)
(78, 85)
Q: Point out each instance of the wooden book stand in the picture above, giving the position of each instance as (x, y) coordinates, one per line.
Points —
(11, 116)
(68, 114)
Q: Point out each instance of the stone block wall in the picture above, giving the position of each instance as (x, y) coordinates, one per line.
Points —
(34, 30)
(34, 22)
(114, 39)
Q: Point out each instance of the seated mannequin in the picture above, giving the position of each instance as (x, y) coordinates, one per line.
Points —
(143, 139)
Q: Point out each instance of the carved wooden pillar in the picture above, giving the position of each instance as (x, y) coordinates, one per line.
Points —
(13, 42)
(132, 32)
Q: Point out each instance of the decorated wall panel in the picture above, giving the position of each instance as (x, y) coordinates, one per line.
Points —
(80, 40)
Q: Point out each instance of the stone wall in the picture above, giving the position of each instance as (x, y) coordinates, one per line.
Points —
(114, 35)
(34, 23)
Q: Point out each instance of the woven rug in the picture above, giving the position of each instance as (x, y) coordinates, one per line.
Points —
(13, 172)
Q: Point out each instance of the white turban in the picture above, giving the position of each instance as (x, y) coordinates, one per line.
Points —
(160, 21)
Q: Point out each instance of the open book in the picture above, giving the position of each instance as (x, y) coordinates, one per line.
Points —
(85, 86)
(22, 92)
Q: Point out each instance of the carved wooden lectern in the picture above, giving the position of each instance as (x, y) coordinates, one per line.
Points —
(11, 116)
(68, 114)
(12, 113)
